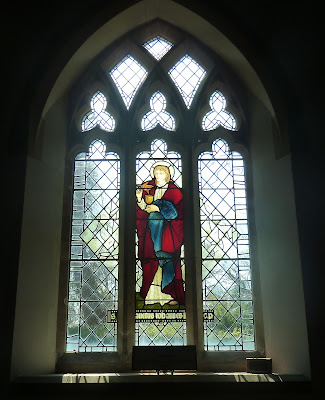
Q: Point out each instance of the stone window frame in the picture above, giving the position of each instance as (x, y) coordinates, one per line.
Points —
(218, 77)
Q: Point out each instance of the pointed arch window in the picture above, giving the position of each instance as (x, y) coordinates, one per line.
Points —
(140, 245)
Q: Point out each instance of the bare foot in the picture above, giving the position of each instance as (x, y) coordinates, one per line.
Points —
(173, 303)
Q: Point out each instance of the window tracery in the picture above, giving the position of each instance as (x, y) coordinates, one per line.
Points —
(158, 47)
(187, 74)
(218, 114)
(158, 114)
(98, 115)
(128, 75)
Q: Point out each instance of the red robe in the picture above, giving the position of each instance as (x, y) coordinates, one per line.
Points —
(172, 240)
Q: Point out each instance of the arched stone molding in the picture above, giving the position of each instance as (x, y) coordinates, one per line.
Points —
(142, 13)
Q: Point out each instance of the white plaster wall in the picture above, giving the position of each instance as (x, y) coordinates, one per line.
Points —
(34, 342)
(278, 252)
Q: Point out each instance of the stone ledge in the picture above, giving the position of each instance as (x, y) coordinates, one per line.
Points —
(184, 385)
(152, 377)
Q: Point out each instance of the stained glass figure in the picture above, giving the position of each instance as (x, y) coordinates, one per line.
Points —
(218, 114)
(226, 275)
(187, 74)
(158, 47)
(158, 114)
(93, 283)
(98, 115)
(160, 266)
(128, 75)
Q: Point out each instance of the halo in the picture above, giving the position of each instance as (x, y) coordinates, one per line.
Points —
(165, 164)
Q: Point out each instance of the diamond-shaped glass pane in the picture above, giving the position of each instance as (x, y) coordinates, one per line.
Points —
(128, 76)
(158, 47)
(187, 75)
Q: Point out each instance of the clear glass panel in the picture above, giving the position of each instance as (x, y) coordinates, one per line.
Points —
(187, 75)
(93, 285)
(158, 114)
(160, 302)
(226, 277)
(98, 115)
(158, 47)
(218, 114)
(128, 76)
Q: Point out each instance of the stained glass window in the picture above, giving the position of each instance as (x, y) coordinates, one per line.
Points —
(98, 115)
(156, 198)
(226, 274)
(187, 74)
(128, 75)
(160, 301)
(158, 114)
(158, 47)
(218, 114)
(93, 282)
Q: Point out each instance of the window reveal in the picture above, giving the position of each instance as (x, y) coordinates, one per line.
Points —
(94, 254)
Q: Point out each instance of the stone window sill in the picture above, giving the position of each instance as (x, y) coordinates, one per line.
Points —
(153, 377)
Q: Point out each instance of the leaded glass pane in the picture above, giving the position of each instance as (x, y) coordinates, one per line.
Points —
(158, 47)
(218, 114)
(160, 300)
(226, 276)
(158, 114)
(187, 75)
(98, 115)
(128, 75)
(93, 283)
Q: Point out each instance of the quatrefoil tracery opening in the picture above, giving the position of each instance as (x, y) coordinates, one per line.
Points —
(158, 114)
(98, 115)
